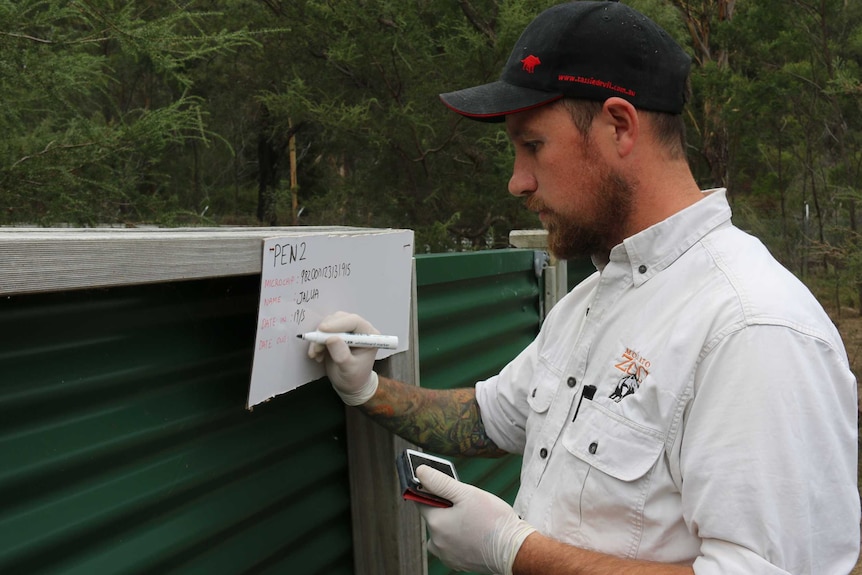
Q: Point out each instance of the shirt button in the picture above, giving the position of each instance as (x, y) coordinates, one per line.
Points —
(543, 453)
(594, 446)
(572, 382)
(642, 269)
(534, 392)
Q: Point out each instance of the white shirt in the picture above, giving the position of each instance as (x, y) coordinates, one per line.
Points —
(722, 429)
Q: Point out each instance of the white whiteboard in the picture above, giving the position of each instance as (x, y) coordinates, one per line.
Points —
(307, 277)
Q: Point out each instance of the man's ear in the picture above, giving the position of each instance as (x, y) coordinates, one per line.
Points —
(623, 117)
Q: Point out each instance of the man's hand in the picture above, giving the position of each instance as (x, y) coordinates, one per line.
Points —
(480, 532)
(349, 369)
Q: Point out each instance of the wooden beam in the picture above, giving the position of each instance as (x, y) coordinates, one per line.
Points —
(57, 259)
(388, 534)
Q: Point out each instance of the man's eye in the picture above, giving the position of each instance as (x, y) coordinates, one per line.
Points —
(531, 145)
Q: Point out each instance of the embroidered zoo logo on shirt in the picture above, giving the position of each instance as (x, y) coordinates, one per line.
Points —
(636, 369)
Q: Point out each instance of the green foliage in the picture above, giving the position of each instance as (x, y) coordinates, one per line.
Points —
(789, 100)
(181, 113)
(369, 87)
(96, 95)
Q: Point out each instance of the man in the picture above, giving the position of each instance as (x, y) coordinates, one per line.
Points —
(689, 408)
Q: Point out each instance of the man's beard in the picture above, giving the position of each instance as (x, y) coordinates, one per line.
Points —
(569, 239)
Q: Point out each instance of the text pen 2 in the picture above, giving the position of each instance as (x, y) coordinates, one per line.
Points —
(353, 339)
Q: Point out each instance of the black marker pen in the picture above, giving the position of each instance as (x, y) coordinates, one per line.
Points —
(588, 392)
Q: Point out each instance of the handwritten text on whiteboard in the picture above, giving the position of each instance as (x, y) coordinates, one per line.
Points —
(305, 278)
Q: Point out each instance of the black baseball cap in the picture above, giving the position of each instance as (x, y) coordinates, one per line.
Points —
(586, 50)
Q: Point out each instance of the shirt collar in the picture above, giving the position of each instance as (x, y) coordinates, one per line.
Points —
(650, 251)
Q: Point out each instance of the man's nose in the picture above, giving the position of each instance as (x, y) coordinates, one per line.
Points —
(521, 183)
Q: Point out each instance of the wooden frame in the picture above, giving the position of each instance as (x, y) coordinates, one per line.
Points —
(56, 259)
(388, 534)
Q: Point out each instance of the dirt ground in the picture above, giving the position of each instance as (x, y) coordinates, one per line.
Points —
(850, 325)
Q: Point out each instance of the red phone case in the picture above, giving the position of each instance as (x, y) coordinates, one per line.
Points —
(410, 491)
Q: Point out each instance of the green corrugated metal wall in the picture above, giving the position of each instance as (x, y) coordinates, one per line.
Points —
(476, 312)
(125, 445)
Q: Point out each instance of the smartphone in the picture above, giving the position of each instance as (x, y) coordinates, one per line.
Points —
(411, 488)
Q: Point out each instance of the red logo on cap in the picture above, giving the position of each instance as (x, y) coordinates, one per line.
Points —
(530, 63)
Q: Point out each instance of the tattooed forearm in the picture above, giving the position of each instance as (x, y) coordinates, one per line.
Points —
(442, 421)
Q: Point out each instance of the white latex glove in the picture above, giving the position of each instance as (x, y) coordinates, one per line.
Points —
(480, 532)
(349, 369)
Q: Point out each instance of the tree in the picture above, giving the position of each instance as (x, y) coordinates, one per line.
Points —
(792, 90)
(364, 79)
(159, 112)
(704, 20)
(96, 95)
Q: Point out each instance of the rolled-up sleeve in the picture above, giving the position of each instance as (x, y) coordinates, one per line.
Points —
(769, 455)
(503, 402)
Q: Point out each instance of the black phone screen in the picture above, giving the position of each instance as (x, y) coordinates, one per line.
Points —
(417, 459)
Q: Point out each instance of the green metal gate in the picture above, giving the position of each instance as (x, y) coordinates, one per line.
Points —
(476, 312)
(125, 445)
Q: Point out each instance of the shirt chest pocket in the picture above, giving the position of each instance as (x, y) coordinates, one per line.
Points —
(621, 456)
(616, 446)
(540, 396)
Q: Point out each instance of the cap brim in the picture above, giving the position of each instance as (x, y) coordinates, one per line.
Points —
(492, 102)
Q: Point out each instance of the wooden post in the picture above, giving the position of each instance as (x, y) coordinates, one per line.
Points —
(555, 275)
(388, 534)
(294, 186)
